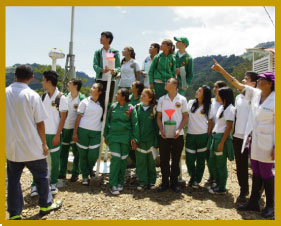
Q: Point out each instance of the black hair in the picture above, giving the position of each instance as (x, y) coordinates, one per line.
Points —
(125, 93)
(175, 81)
(77, 82)
(132, 53)
(206, 101)
(170, 43)
(221, 84)
(24, 72)
(156, 46)
(100, 99)
(139, 86)
(51, 76)
(226, 94)
(109, 35)
(253, 76)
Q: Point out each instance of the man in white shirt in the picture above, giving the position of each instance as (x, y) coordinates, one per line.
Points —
(172, 101)
(153, 51)
(26, 143)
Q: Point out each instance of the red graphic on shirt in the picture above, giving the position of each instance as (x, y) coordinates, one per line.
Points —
(170, 112)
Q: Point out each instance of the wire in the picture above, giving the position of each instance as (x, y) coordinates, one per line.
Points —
(269, 16)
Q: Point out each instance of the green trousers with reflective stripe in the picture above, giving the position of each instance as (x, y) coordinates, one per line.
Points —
(66, 143)
(88, 146)
(145, 164)
(118, 163)
(196, 152)
(159, 90)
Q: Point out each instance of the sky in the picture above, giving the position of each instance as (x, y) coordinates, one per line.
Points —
(31, 32)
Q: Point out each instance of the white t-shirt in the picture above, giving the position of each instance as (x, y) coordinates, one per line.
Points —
(53, 120)
(215, 106)
(242, 106)
(71, 112)
(92, 113)
(145, 67)
(24, 109)
(228, 115)
(197, 122)
(104, 75)
(128, 73)
(179, 104)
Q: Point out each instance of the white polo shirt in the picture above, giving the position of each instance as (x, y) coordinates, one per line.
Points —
(24, 109)
(145, 67)
(215, 106)
(53, 120)
(228, 115)
(128, 72)
(72, 111)
(197, 122)
(92, 113)
(242, 106)
(179, 103)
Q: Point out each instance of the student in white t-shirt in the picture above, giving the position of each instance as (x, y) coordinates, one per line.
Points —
(87, 131)
(153, 51)
(221, 146)
(74, 97)
(130, 69)
(199, 127)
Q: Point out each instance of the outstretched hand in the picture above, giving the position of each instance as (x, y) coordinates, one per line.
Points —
(217, 67)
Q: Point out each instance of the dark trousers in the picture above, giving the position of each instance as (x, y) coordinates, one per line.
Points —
(102, 96)
(170, 148)
(39, 170)
(241, 165)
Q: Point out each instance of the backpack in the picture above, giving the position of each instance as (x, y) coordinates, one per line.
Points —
(57, 100)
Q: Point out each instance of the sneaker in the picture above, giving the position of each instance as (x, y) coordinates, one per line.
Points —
(119, 187)
(54, 206)
(152, 187)
(213, 185)
(73, 178)
(54, 189)
(141, 187)
(195, 185)
(114, 190)
(217, 191)
(33, 191)
(85, 181)
(16, 217)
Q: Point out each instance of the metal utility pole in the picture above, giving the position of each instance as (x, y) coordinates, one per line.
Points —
(69, 64)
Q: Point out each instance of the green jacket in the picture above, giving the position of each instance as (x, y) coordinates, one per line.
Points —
(162, 68)
(214, 141)
(121, 124)
(148, 128)
(133, 101)
(187, 61)
(98, 65)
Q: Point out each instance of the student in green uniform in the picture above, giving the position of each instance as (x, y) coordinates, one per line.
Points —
(136, 90)
(184, 64)
(162, 68)
(74, 97)
(199, 127)
(221, 146)
(87, 131)
(121, 132)
(148, 140)
(102, 72)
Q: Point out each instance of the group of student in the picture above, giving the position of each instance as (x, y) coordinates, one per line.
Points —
(135, 126)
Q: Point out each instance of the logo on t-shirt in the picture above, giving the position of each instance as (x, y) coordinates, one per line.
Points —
(127, 112)
(53, 104)
(178, 104)
(75, 106)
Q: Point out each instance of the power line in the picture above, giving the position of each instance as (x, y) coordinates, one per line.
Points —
(269, 17)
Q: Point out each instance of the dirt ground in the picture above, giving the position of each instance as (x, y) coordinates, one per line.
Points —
(97, 203)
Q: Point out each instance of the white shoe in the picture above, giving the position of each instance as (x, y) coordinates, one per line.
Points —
(212, 186)
(152, 187)
(119, 187)
(195, 185)
(114, 190)
(33, 191)
(54, 189)
(85, 181)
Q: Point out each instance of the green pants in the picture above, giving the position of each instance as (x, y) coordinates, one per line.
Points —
(159, 90)
(196, 150)
(145, 164)
(66, 143)
(218, 159)
(88, 146)
(118, 163)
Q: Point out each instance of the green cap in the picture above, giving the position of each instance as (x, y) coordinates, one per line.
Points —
(182, 39)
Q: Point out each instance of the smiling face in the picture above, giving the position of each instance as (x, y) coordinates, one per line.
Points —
(94, 91)
(144, 97)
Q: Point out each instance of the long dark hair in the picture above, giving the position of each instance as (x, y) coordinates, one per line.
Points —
(139, 86)
(151, 95)
(226, 94)
(125, 93)
(206, 101)
(132, 53)
(170, 43)
(100, 100)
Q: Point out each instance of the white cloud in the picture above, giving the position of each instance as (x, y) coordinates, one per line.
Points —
(223, 30)
(122, 10)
